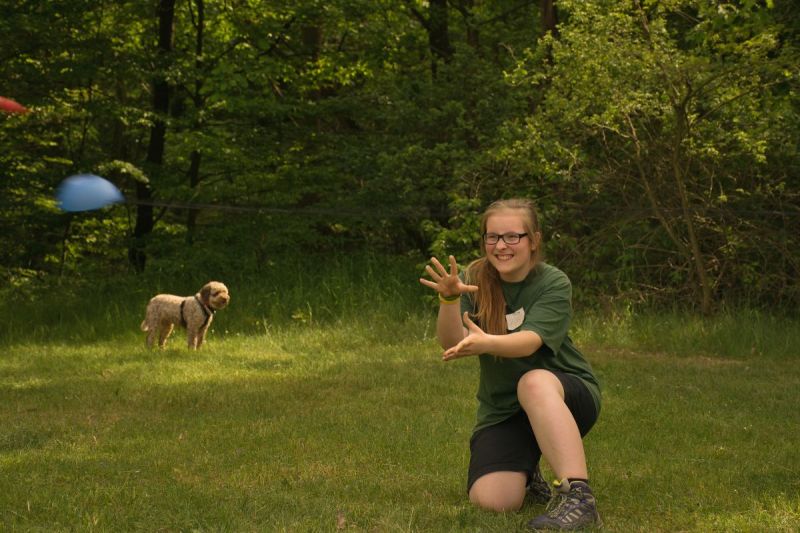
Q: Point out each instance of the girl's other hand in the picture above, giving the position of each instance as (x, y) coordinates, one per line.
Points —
(475, 343)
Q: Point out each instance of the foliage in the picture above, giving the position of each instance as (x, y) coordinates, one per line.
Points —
(671, 133)
(658, 138)
(662, 119)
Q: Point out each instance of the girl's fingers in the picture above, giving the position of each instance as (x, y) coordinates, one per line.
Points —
(439, 267)
(456, 352)
(453, 266)
(435, 276)
(438, 287)
(429, 283)
(468, 322)
(451, 354)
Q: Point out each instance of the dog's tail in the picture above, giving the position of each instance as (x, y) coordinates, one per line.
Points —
(144, 326)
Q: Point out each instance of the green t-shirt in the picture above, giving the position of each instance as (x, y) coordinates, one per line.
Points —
(541, 303)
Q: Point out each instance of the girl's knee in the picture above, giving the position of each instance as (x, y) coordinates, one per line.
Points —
(535, 380)
(537, 383)
(498, 503)
(499, 491)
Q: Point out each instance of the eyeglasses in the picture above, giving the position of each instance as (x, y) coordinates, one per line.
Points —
(508, 238)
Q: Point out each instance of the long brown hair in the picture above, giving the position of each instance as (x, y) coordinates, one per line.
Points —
(489, 300)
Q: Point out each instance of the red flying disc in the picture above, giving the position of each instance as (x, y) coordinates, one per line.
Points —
(10, 106)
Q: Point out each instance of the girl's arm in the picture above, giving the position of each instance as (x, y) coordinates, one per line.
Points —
(476, 341)
(449, 329)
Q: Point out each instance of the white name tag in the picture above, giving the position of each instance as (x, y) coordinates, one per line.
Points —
(514, 320)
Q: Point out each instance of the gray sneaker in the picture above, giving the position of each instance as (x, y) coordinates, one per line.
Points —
(572, 507)
(538, 490)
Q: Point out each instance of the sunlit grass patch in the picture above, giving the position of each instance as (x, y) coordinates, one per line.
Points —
(350, 420)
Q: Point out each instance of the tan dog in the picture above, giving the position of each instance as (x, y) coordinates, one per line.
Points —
(195, 313)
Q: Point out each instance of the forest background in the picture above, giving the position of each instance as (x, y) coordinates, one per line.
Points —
(658, 138)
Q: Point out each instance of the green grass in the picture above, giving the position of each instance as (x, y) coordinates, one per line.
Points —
(737, 334)
(351, 422)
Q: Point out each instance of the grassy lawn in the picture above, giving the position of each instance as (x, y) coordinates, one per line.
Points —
(356, 425)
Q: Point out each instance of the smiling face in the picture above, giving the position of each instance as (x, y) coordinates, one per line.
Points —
(512, 261)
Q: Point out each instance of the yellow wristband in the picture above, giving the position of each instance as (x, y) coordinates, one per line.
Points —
(449, 301)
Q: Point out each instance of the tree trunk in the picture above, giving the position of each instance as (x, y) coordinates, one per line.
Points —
(155, 149)
(473, 35)
(549, 16)
(438, 34)
(703, 282)
(199, 104)
(679, 100)
(194, 181)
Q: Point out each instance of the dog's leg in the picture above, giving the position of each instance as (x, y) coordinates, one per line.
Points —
(152, 333)
(191, 331)
(201, 337)
(191, 336)
(166, 331)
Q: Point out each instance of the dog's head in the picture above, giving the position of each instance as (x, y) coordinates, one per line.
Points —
(215, 295)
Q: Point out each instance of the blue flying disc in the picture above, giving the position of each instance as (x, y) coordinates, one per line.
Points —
(85, 192)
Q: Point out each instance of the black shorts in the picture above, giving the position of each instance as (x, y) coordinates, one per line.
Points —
(510, 446)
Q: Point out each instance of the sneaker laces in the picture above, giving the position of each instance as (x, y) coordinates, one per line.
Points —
(556, 505)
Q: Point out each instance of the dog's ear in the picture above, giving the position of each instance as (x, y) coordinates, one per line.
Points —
(205, 293)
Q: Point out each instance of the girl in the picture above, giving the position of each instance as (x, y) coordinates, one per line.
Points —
(537, 394)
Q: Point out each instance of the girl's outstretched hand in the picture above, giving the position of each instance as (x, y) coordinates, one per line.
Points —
(475, 343)
(448, 284)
